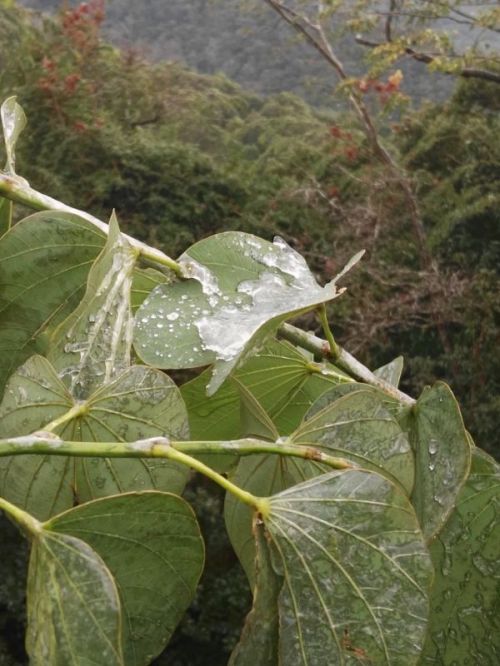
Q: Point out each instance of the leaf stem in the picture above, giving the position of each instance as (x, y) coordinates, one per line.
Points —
(161, 447)
(18, 189)
(31, 526)
(344, 360)
(77, 410)
(334, 349)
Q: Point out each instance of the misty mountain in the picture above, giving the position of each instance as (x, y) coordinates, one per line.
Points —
(246, 41)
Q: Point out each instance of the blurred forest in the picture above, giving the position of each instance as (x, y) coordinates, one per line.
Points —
(181, 154)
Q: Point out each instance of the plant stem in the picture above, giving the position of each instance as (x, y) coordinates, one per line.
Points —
(31, 526)
(334, 349)
(161, 447)
(17, 189)
(259, 503)
(73, 413)
(344, 360)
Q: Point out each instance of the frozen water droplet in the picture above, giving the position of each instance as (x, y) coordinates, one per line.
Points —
(172, 316)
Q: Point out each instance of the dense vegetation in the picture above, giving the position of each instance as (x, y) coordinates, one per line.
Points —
(181, 156)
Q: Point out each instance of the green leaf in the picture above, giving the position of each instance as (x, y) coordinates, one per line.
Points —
(74, 616)
(242, 289)
(44, 262)
(442, 453)
(151, 544)
(92, 346)
(355, 427)
(40, 484)
(261, 475)
(13, 123)
(5, 215)
(145, 280)
(465, 609)
(391, 373)
(259, 638)
(141, 403)
(284, 382)
(254, 420)
(358, 427)
(356, 572)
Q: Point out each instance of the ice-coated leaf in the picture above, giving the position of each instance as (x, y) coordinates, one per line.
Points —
(13, 123)
(442, 453)
(356, 572)
(40, 484)
(465, 600)
(44, 262)
(242, 289)
(92, 346)
(284, 382)
(259, 639)
(391, 373)
(5, 215)
(151, 544)
(74, 616)
(140, 403)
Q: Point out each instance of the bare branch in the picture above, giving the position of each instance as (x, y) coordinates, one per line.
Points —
(426, 58)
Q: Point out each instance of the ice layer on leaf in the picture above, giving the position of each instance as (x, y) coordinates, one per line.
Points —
(242, 289)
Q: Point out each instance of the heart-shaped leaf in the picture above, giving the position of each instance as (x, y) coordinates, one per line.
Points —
(13, 123)
(259, 638)
(74, 615)
(140, 403)
(442, 453)
(5, 215)
(358, 427)
(284, 382)
(151, 544)
(464, 621)
(44, 262)
(356, 573)
(34, 397)
(355, 427)
(391, 373)
(242, 289)
(92, 346)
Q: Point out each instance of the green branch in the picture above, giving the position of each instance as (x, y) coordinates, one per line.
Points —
(17, 189)
(343, 359)
(46, 443)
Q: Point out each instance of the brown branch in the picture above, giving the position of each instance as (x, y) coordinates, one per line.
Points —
(426, 58)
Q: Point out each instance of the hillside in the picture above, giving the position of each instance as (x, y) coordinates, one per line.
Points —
(247, 42)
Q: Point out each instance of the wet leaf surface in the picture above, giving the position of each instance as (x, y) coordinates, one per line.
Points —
(74, 614)
(355, 427)
(151, 544)
(355, 569)
(465, 601)
(259, 639)
(44, 262)
(141, 403)
(92, 346)
(242, 289)
(442, 453)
